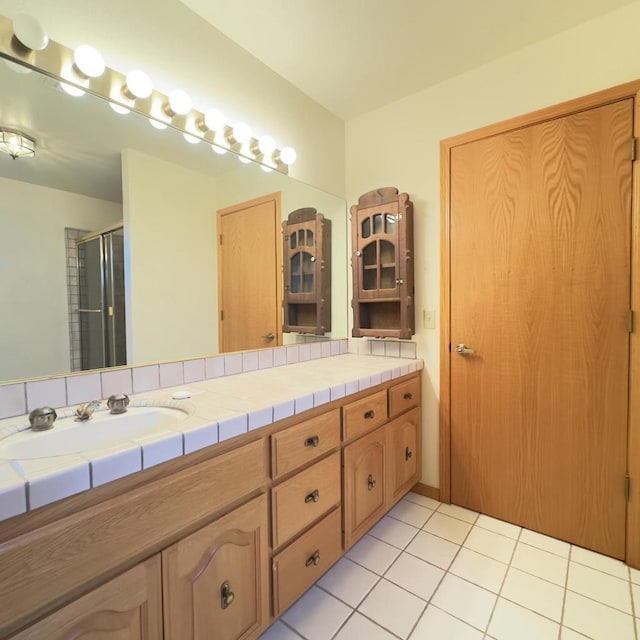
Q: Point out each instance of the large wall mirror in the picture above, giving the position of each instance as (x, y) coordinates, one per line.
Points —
(109, 190)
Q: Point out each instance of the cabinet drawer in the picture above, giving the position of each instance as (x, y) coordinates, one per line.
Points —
(404, 396)
(296, 446)
(303, 562)
(362, 416)
(304, 498)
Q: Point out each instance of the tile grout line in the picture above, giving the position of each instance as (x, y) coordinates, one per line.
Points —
(506, 573)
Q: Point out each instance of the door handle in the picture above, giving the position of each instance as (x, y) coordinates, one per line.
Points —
(463, 350)
(268, 336)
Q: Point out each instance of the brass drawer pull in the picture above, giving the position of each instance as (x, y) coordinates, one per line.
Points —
(312, 442)
(369, 414)
(314, 496)
(371, 483)
(226, 595)
(407, 454)
(408, 396)
(313, 559)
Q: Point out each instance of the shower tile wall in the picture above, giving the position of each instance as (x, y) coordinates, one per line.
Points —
(70, 236)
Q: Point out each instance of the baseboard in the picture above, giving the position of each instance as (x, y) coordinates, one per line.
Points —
(426, 490)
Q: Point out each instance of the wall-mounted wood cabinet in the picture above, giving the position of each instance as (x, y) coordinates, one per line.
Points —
(382, 265)
(307, 272)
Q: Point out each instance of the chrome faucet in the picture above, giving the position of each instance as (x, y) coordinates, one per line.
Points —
(42, 418)
(85, 411)
(118, 403)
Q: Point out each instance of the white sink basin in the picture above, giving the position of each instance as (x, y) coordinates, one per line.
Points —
(103, 430)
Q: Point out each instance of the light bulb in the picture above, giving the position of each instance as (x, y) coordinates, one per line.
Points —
(88, 61)
(214, 120)
(191, 139)
(288, 155)
(118, 108)
(157, 124)
(71, 90)
(179, 102)
(241, 132)
(267, 145)
(30, 32)
(265, 168)
(220, 144)
(138, 85)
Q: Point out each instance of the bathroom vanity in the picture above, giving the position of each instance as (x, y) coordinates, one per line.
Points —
(224, 538)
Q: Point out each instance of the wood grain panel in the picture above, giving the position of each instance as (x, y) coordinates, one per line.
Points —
(364, 415)
(249, 274)
(84, 547)
(365, 474)
(303, 443)
(128, 607)
(232, 550)
(540, 285)
(404, 396)
(293, 509)
(633, 506)
(404, 447)
(294, 569)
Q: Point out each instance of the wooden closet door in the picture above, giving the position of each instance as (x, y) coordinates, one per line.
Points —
(540, 290)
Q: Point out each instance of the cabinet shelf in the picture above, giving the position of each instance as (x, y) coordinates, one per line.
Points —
(382, 265)
(307, 272)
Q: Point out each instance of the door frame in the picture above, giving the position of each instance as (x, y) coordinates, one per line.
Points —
(600, 98)
(276, 199)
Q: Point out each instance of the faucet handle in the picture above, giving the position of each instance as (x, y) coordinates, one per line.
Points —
(42, 418)
(118, 403)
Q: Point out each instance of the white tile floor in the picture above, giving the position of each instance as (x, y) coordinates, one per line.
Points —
(430, 571)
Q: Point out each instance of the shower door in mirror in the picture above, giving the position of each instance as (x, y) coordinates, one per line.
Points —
(101, 306)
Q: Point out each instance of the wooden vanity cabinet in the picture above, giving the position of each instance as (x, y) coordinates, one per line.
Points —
(382, 265)
(365, 472)
(381, 466)
(221, 546)
(128, 607)
(215, 581)
(307, 272)
(404, 444)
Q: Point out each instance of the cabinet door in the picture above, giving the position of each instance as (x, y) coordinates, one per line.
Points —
(364, 484)
(404, 448)
(215, 581)
(128, 607)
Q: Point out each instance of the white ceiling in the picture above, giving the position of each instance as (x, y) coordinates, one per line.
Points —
(352, 56)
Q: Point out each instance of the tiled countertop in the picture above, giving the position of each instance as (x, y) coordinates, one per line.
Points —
(218, 409)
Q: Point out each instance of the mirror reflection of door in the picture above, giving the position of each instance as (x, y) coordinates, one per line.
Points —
(249, 275)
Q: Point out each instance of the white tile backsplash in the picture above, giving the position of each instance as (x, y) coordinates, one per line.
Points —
(171, 374)
(304, 352)
(249, 361)
(194, 370)
(13, 401)
(146, 378)
(116, 382)
(46, 393)
(83, 388)
(214, 367)
(233, 364)
(293, 354)
(265, 359)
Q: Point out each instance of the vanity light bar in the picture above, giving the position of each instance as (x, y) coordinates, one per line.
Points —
(85, 72)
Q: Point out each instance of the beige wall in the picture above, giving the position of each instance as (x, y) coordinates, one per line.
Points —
(34, 321)
(179, 50)
(398, 145)
(170, 260)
